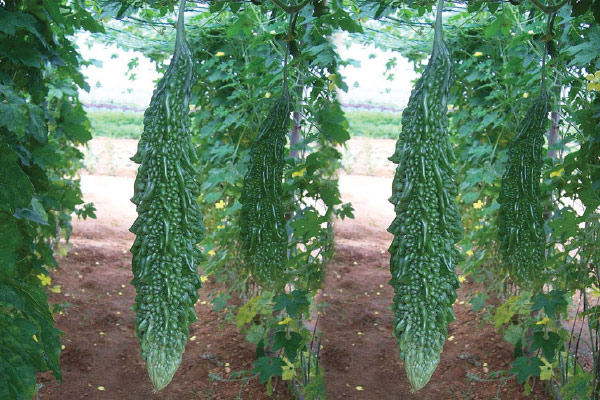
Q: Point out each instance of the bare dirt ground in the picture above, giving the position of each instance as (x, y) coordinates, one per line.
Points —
(101, 358)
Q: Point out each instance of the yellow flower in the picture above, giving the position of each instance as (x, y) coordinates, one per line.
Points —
(219, 227)
(299, 173)
(477, 54)
(268, 95)
(478, 227)
(220, 54)
(543, 321)
(557, 173)
(469, 252)
(203, 278)
(46, 281)
(478, 205)
(211, 252)
(525, 95)
(359, 388)
(462, 278)
(101, 388)
(220, 205)
(286, 321)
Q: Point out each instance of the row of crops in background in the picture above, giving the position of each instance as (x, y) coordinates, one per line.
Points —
(127, 124)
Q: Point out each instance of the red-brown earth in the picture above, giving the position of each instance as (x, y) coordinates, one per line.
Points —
(101, 358)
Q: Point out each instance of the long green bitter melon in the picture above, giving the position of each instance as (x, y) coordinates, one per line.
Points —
(169, 223)
(520, 221)
(262, 221)
(427, 224)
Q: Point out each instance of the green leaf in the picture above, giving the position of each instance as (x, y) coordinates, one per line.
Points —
(549, 342)
(553, 303)
(525, 367)
(291, 343)
(293, 302)
(10, 239)
(12, 113)
(267, 367)
(31, 302)
(34, 213)
(16, 189)
(19, 358)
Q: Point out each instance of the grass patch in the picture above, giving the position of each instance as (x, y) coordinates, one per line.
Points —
(374, 124)
(116, 124)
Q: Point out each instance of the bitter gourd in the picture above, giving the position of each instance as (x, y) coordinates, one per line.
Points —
(262, 221)
(169, 223)
(427, 223)
(520, 221)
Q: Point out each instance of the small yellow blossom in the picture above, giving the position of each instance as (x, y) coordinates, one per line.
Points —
(211, 253)
(286, 321)
(478, 227)
(477, 205)
(45, 279)
(469, 252)
(477, 54)
(299, 173)
(203, 278)
(543, 321)
(461, 278)
(220, 205)
(220, 54)
(193, 338)
(62, 347)
(359, 388)
(268, 95)
(451, 338)
(219, 227)
(525, 95)
(101, 388)
(557, 173)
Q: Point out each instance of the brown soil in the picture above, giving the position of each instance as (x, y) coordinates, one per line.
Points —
(101, 358)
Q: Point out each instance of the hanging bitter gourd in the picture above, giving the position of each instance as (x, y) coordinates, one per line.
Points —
(520, 221)
(427, 223)
(262, 220)
(169, 223)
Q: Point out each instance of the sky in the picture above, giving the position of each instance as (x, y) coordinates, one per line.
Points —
(366, 82)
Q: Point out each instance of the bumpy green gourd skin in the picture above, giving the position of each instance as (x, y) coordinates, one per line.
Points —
(520, 221)
(169, 223)
(427, 223)
(262, 221)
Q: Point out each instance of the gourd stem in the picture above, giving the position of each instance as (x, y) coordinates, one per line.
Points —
(180, 38)
(438, 31)
(549, 27)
